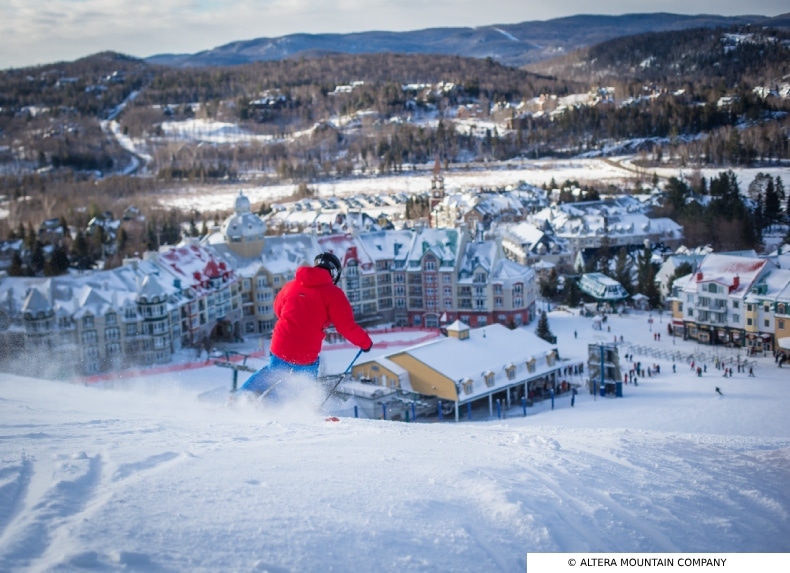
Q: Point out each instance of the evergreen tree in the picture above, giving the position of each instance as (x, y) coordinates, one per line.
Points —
(16, 269)
(651, 288)
(681, 270)
(37, 258)
(573, 294)
(772, 207)
(58, 263)
(622, 271)
(644, 271)
(548, 285)
(676, 194)
(80, 252)
(543, 330)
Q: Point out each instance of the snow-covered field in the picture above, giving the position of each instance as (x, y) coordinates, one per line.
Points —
(145, 477)
(598, 172)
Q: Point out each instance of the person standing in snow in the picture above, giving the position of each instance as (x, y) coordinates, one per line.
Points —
(305, 307)
(718, 391)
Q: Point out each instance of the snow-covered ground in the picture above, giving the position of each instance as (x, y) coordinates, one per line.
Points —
(600, 172)
(143, 476)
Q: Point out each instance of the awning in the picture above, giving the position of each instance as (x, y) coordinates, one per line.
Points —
(784, 343)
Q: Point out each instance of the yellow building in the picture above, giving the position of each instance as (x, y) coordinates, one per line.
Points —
(469, 365)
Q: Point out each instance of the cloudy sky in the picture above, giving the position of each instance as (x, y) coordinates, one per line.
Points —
(45, 31)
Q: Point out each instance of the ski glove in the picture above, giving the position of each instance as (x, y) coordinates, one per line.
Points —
(367, 349)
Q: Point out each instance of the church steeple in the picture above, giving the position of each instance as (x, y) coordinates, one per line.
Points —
(437, 190)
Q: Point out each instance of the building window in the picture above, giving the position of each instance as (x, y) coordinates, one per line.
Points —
(489, 377)
(87, 322)
(780, 324)
(468, 387)
(735, 304)
(767, 323)
(749, 322)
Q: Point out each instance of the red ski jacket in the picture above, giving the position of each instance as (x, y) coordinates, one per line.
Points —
(305, 307)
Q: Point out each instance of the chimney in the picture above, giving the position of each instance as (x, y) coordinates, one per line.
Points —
(699, 276)
(736, 281)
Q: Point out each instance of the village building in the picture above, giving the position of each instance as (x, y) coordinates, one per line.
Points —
(727, 300)
(223, 288)
(471, 366)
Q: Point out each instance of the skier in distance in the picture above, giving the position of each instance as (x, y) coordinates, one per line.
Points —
(304, 308)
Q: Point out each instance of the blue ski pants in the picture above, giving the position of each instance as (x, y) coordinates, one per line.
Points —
(275, 372)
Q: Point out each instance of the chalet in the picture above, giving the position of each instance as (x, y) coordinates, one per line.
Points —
(470, 366)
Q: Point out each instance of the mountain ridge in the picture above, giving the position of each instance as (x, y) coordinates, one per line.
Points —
(516, 45)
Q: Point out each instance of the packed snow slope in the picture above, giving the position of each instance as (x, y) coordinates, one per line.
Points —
(143, 476)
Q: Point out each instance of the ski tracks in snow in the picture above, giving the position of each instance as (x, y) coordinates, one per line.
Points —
(636, 496)
(46, 498)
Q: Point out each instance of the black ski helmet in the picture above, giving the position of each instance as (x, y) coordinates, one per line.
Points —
(331, 263)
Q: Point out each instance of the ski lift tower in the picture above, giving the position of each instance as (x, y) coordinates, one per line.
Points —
(603, 364)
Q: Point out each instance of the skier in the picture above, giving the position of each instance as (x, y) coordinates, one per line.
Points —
(718, 391)
(304, 308)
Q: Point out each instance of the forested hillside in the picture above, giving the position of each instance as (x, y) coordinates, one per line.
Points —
(110, 128)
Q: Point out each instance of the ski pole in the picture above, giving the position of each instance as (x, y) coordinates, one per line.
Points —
(339, 380)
